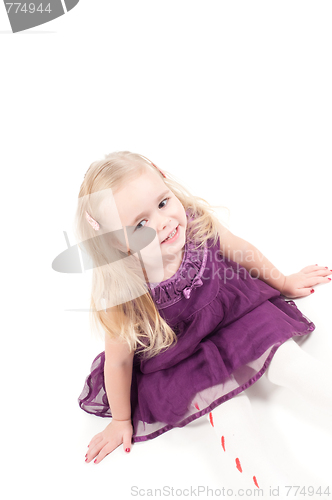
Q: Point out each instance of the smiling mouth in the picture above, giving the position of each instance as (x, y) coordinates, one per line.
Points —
(171, 235)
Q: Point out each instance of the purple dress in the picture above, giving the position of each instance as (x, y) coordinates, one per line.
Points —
(228, 324)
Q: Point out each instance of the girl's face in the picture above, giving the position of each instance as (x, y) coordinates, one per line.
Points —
(147, 202)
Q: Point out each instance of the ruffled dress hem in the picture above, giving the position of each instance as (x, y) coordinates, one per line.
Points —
(103, 410)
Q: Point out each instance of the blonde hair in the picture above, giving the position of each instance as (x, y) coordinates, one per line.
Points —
(135, 318)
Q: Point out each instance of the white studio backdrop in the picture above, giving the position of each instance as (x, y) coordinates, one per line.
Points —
(231, 97)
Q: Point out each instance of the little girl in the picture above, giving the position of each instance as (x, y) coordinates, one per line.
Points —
(193, 315)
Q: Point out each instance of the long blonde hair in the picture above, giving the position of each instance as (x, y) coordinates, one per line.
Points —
(134, 318)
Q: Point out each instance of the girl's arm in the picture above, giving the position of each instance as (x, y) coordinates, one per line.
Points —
(247, 255)
(117, 375)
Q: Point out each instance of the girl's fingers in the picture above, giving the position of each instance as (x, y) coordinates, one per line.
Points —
(316, 280)
(94, 450)
(95, 440)
(303, 292)
(106, 450)
(127, 442)
(310, 269)
(321, 272)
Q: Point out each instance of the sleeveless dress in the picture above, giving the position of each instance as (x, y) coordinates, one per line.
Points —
(228, 326)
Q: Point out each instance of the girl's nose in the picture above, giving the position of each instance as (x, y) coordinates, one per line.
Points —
(163, 224)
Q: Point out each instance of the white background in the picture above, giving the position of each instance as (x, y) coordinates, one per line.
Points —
(232, 97)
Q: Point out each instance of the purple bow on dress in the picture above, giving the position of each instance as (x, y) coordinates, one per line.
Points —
(196, 283)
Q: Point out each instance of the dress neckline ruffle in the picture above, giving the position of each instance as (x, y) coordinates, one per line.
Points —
(186, 278)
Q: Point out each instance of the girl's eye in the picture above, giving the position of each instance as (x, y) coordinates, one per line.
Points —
(138, 225)
(166, 199)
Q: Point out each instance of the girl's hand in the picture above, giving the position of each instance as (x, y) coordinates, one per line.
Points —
(117, 432)
(300, 284)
